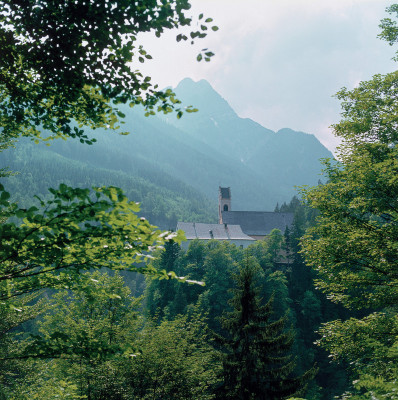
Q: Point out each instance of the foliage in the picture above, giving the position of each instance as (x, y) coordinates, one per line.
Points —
(369, 115)
(274, 243)
(370, 348)
(101, 350)
(12, 338)
(369, 387)
(46, 387)
(160, 294)
(76, 230)
(354, 245)
(4, 144)
(256, 359)
(68, 61)
(276, 285)
(95, 320)
(389, 27)
(309, 307)
(220, 262)
(377, 333)
(211, 263)
(65, 66)
(295, 298)
(88, 334)
(176, 361)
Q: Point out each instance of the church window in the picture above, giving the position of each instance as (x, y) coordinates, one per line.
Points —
(225, 207)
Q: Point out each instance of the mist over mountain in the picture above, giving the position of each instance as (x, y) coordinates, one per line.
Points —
(216, 123)
(273, 162)
(174, 166)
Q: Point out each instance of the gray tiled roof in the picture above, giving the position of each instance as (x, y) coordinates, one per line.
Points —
(258, 223)
(225, 193)
(196, 230)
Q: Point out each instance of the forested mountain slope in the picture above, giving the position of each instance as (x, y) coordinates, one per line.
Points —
(174, 167)
(163, 198)
(280, 160)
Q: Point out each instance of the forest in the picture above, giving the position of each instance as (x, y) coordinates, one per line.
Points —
(98, 303)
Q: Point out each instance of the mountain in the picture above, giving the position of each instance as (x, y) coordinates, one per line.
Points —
(174, 166)
(216, 124)
(290, 157)
(275, 162)
(164, 199)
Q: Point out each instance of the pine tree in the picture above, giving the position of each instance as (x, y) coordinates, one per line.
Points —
(255, 354)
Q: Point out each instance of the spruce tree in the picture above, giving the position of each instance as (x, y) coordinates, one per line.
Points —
(256, 358)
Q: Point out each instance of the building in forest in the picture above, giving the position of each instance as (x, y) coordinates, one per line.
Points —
(231, 233)
(239, 227)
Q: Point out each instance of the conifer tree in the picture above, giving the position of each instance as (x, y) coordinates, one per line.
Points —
(255, 353)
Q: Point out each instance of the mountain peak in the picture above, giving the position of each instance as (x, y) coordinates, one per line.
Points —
(189, 83)
(203, 96)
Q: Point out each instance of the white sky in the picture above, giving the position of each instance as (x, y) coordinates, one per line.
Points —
(280, 61)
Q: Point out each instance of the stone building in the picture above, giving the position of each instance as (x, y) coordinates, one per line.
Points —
(230, 233)
(239, 227)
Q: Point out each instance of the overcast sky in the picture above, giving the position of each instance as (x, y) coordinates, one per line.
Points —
(280, 61)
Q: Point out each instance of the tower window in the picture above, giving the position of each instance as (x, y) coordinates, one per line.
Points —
(225, 207)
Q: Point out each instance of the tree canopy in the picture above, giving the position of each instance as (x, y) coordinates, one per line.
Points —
(256, 358)
(354, 245)
(73, 61)
(48, 246)
(65, 66)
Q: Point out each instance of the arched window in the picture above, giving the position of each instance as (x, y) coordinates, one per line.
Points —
(225, 207)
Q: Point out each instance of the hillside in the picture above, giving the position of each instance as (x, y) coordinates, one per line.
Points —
(174, 167)
(273, 163)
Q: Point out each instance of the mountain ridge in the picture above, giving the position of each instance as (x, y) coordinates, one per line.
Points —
(179, 163)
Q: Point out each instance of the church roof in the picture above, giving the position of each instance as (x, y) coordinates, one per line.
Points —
(258, 223)
(196, 230)
(225, 193)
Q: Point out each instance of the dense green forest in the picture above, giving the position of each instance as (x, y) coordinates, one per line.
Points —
(97, 303)
(291, 286)
(119, 327)
(164, 199)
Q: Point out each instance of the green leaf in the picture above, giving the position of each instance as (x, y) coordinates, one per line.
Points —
(4, 196)
(20, 213)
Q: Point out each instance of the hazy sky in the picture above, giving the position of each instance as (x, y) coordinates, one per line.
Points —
(280, 61)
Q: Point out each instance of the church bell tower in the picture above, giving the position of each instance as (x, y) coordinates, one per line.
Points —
(224, 201)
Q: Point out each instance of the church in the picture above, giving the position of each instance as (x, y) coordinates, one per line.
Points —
(239, 227)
